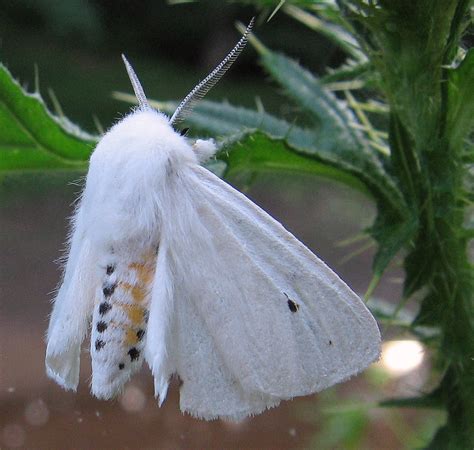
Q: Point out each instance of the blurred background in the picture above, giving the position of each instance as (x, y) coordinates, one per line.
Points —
(75, 46)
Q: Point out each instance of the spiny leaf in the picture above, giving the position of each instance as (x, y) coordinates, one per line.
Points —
(333, 32)
(349, 72)
(32, 138)
(392, 236)
(460, 119)
(254, 151)
(328, 113)
(333, 137)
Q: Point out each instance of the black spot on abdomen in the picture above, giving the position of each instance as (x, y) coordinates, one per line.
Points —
(101, 326)
(99, 343)
(108, 289)
(140, 334)
(104, 307)
(134, 354)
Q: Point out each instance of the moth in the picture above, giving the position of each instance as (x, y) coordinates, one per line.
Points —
(168, 263)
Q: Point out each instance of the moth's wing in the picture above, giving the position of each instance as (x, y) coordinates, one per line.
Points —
(72, 310)
(210, 388)
(260, 318)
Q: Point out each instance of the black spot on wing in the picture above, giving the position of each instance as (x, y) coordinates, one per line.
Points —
(99, 343)
(121, 366)
(110, 269)
(292, 305)
(134, 354)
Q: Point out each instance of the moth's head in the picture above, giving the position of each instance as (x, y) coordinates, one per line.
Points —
(186, 106)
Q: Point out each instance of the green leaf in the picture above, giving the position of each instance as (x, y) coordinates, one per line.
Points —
(31, 138)
(328, 113)
(331, 31)
(392, 236)
(347, 72)
(425, 401)
(333, 138)
(460, 119)
(254, 151)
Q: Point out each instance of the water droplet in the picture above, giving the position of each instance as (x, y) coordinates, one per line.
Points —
(37, 413)
(133, 399)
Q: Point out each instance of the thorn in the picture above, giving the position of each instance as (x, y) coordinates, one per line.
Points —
(98, 124)
(37, 82)
(282, 2)
(56, 105)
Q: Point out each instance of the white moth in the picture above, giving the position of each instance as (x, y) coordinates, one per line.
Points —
(170, 264)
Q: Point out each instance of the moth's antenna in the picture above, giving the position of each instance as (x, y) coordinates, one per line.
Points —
(137, 87)
(187, 105)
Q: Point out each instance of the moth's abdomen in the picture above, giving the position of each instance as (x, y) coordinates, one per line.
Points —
(119, 322)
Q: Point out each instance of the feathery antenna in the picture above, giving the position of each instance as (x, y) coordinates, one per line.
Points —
(187, 105)
(137, 87)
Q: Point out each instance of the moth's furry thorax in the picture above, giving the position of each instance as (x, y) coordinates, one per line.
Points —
(123, 197)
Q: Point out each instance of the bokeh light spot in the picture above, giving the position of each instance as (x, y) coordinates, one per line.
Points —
(400, 357)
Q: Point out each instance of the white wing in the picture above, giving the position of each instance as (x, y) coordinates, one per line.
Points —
(258, 317)
(73, 305)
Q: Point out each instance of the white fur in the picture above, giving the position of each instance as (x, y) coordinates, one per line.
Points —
(204, 149)
(225, 272)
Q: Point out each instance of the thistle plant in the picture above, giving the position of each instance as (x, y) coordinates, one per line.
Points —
(407, 58)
